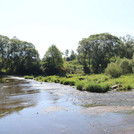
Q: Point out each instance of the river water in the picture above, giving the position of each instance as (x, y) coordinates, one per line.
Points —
(31, 107)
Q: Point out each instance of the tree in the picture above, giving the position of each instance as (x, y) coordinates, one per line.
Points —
(18, 57)
(3, 50)
(66, 52)
(72, 56)
(84, 55)
(128, 46)
(52, 61)
(96, 51)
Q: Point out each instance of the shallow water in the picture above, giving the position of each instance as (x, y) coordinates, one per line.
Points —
(29, 107)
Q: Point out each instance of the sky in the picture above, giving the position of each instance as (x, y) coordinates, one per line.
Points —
(64, 22)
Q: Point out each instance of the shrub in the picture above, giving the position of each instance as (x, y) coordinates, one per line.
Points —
(29, 77)
(126, 87)
(2, 80)
(46, 80)
(105, 88)
(79, 86)
(95, 87)
(114, 70)
(61, 81)
(81, 78)
(39, 78)
(69, 82)
(3, 70)
(125, 66)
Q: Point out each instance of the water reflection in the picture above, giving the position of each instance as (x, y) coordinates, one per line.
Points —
(15, 95)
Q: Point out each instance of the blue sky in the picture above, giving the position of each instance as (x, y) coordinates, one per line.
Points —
(64, 22)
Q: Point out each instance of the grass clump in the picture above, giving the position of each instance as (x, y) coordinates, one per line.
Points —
(28, 77)
(79, 86)
(39, 78)
(126, 87)
(2, 80)
(95, 87)
(69, 82)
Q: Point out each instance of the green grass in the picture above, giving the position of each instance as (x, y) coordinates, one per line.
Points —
(93, 83)
(69, 82)
(28, 77)
(79, 86)
(95, 87)
(2, 80)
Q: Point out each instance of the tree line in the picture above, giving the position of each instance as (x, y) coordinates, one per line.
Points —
(93, 53)
(96, 51)
(18, 57)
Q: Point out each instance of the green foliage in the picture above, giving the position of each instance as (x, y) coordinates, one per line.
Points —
(120, 67)
(95, 87)
(125, 65)
(79, 86)
(39, 78)
(66, 52)
(29, 77)
(52, 62)
(62, 80)
(127, 49)
(2, 80)
(70, 82)
(93, 83)
(3, 70)
(71, 57)
(73, 67)
(18, 57)
(95, 52)
(114, 70)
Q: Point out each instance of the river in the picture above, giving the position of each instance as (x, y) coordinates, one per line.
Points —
(31, 107)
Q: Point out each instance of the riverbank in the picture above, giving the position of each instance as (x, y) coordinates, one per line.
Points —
(100, 83)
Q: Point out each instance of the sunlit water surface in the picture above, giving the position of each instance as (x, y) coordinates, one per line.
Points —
(31, 107)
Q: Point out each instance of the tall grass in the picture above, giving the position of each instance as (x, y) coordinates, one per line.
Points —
(79, 86)
(93, 83)
(69, 82)
(95, 87)
(29, 77)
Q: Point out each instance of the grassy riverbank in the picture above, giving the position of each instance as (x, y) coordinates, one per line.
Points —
(92, 83)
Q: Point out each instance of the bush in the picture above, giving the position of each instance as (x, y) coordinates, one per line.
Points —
(29, 77)
(126, 87)
(39, 78)
(95, 87)
(79, 86)
(62, 80)
(69, 82)
(114, 70)
(125, 65)
(2, 80)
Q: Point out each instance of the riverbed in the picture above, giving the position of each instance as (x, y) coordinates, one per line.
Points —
(31, 107)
